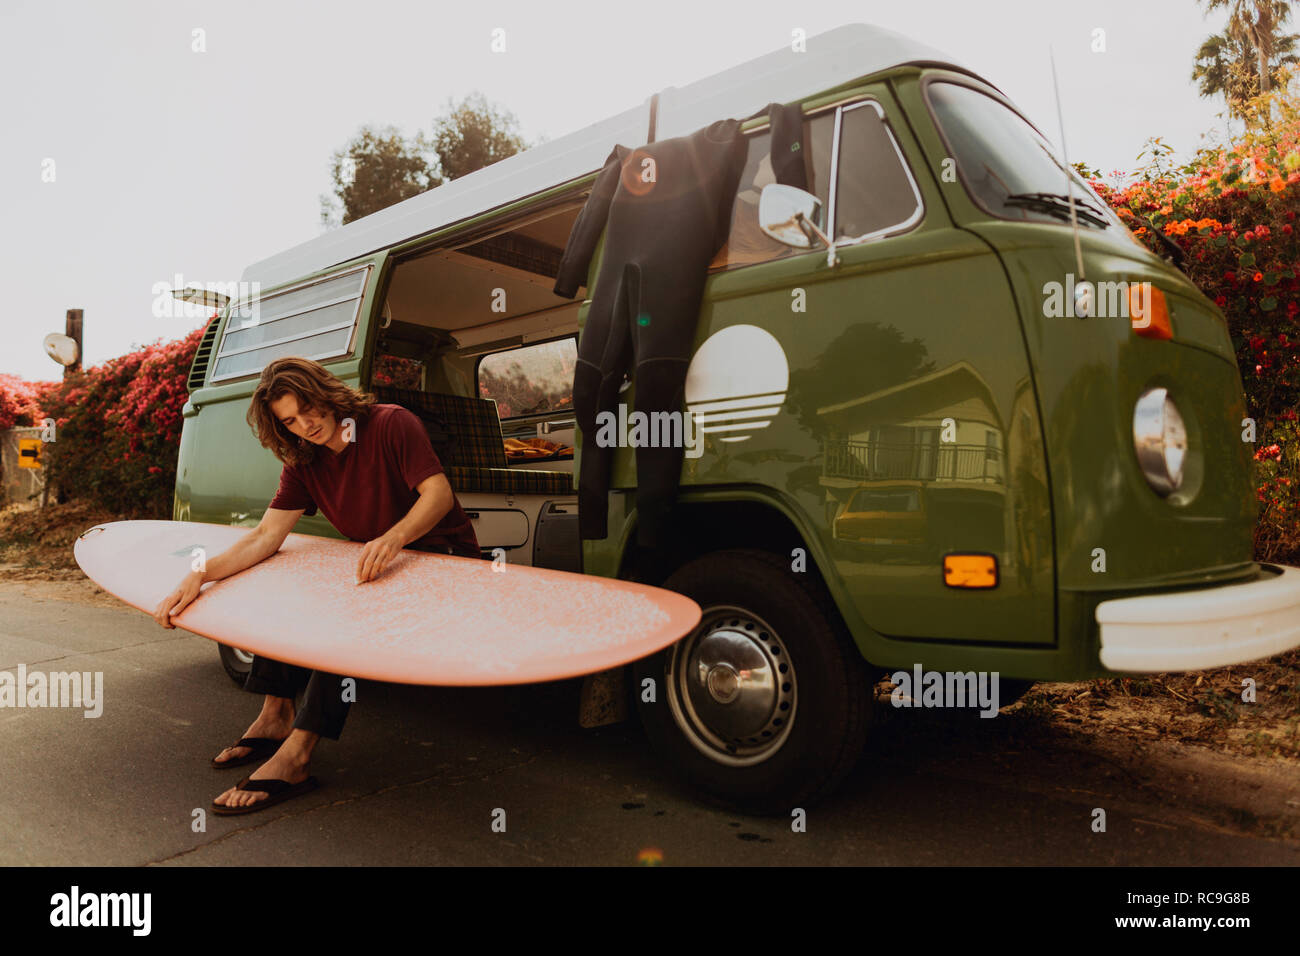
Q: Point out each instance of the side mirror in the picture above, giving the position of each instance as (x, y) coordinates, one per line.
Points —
(781, 209)
(787, 213)
(62, 348)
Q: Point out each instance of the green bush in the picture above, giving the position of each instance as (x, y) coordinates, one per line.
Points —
(118, 428)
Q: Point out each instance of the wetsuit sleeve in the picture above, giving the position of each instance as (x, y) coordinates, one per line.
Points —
(588, 227)
(732, 169)
(409, 448)
(292, 495)
(789, 152)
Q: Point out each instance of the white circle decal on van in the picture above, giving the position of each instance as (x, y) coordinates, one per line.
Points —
(737, 382)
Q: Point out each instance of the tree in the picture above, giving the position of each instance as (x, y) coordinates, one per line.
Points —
(473, 135)
(379, 168)
(376, 169)
(1226, 64)
(1255, 25)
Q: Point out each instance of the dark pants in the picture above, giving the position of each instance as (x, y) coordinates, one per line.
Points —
(323, 708)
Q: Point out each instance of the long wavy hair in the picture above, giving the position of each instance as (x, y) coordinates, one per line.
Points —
(312, 384)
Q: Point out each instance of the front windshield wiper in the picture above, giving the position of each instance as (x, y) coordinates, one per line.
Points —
(1058, 204)
(1078, 201)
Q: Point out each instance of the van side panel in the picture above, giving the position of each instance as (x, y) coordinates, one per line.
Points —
(909, 430)
(892, 405)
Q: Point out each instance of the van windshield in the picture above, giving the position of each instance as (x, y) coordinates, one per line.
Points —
(1007, 167)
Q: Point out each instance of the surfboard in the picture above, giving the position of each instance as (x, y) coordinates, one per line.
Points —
(427, 619)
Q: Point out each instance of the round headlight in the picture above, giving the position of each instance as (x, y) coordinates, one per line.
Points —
(1160, 438)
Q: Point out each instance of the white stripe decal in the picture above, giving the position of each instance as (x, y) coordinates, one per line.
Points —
(767, 398)
(731, 416)
(731, 428)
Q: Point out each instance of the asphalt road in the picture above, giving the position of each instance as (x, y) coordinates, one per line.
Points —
(419, 772)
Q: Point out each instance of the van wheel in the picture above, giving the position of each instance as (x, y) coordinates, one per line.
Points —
(236, 662)
(765, 704)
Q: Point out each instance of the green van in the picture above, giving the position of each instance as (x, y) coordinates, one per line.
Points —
(913, 456)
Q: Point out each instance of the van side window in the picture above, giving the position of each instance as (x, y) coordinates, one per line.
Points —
(532, 380)
(875, 194)
(747, 244)
(313, 321)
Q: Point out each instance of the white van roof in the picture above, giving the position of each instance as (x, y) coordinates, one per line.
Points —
(832, 59)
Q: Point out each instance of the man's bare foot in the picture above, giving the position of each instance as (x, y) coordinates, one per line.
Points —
(289, 764)
(275, 727)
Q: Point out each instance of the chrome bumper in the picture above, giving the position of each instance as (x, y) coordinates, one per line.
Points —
(1194, 630)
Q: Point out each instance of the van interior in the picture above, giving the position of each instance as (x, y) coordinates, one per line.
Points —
(474, 341)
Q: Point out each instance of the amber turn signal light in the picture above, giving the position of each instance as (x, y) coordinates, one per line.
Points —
(970, 570)
(1149, 311)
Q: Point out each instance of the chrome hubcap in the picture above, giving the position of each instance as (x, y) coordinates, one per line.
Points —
(243, 656)
(731, 687)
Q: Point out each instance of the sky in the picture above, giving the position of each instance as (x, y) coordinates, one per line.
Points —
(131, 158)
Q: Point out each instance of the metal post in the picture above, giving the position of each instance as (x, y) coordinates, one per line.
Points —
(72, 328)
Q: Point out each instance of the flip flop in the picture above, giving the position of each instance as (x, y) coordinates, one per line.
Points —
(260, 749)
(278, 790)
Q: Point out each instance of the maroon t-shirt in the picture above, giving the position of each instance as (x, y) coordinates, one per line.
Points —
(370, 485)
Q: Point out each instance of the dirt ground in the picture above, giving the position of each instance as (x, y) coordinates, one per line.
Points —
(1183, 720)
(36, 552)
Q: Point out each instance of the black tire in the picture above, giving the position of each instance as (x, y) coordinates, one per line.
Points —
(759, 614)
(235, 666)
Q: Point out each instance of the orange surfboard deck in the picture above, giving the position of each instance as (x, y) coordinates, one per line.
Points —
(427, 619)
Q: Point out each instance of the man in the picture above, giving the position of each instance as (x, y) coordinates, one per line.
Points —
(373, 473)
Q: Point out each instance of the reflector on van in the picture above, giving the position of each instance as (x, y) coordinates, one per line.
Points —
(1149, 311)
(970, 570)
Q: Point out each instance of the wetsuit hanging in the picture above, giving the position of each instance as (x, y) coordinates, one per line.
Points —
(665, 209)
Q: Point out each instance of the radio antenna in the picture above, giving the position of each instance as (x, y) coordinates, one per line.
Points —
(1065, 156)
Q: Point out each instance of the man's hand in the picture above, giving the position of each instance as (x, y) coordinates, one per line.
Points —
(376, 555)
(176, 602)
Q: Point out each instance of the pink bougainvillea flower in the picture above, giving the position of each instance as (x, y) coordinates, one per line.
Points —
(1272, 452)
